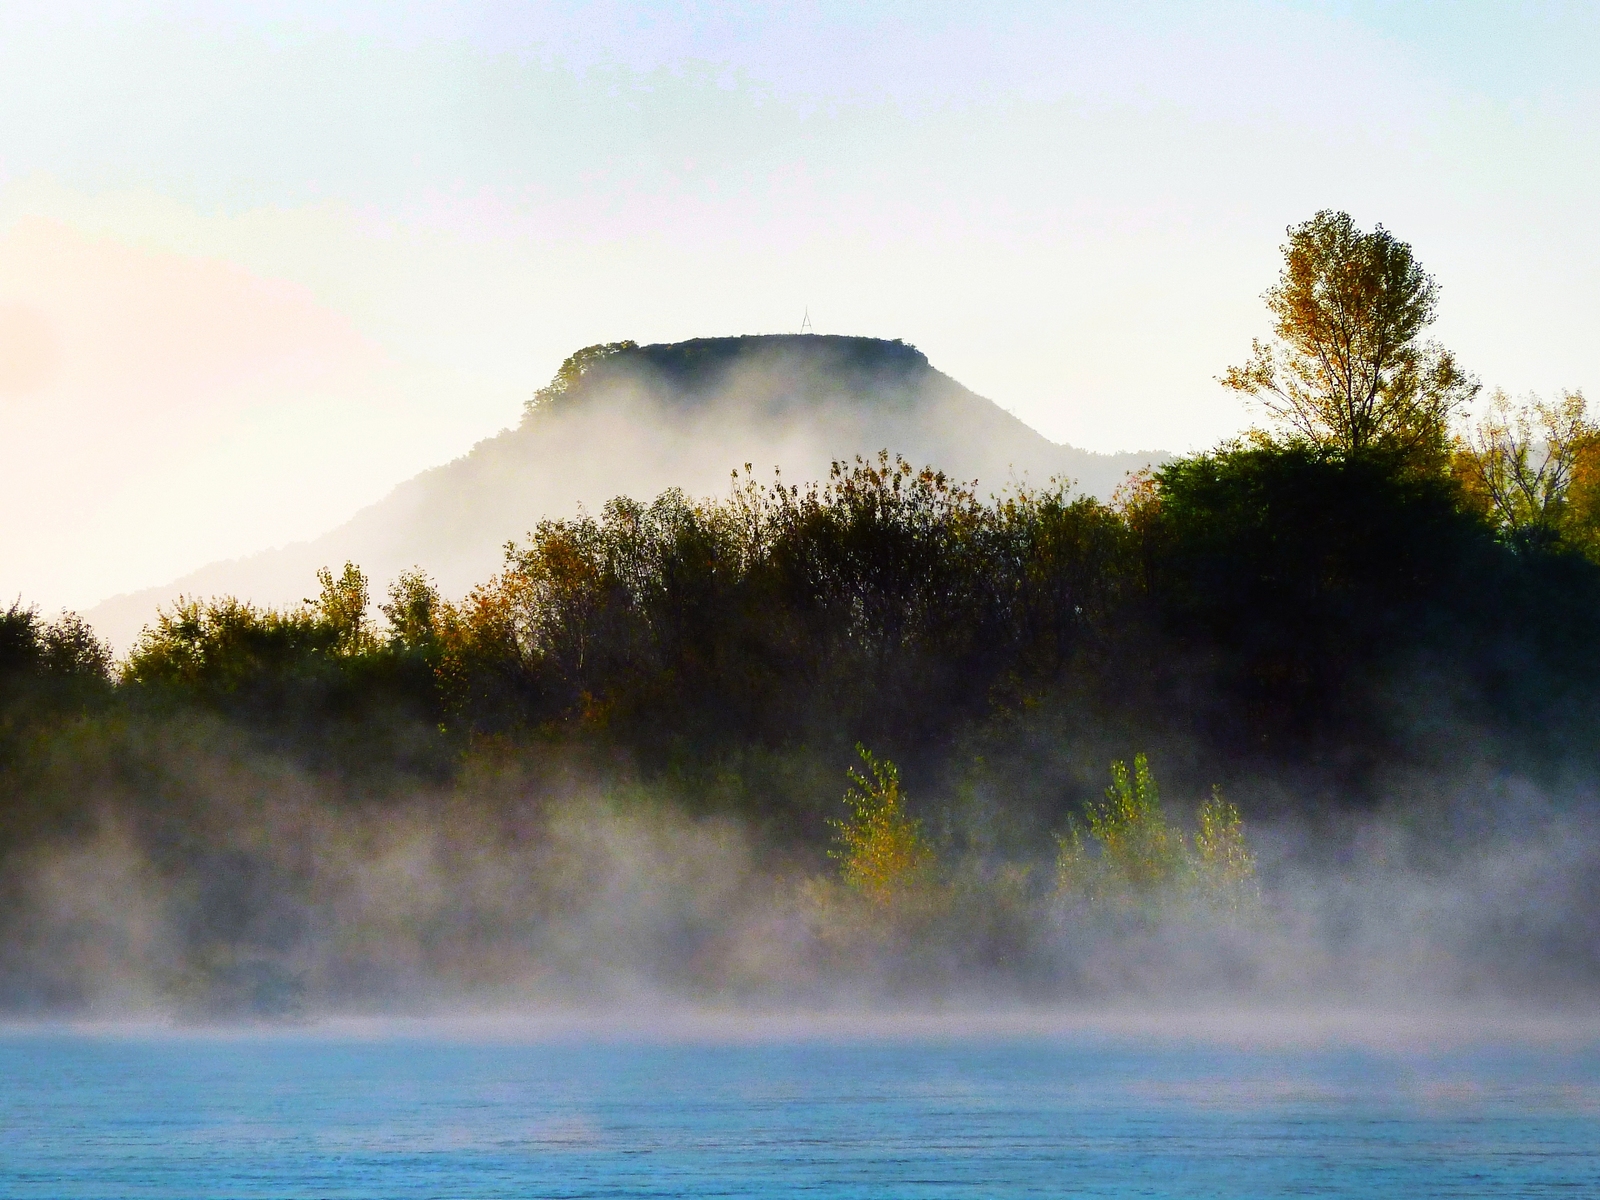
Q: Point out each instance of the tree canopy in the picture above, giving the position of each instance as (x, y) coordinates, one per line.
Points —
(1346, 368)
(573, 368)
(1533, 467)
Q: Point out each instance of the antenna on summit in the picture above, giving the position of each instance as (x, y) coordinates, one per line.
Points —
(805, 322)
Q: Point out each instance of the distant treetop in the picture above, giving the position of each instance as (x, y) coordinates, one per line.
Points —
(687, 362)
(573, 369)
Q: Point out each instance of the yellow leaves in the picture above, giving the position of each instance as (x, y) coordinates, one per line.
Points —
(888, 896)
(1132, 851)
(1347, 370)
(594, 712)
(880, 850)
(1531, 467)
(1581, 527)
(1224, 866)
(342, 607)
(1132, 859)
(1137, 501)
(1126, 857)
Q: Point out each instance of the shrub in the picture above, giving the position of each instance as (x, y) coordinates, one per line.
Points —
(1131, 859)
(1224, 865)
(880, 850)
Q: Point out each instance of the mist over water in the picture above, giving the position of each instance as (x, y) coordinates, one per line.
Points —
(553, 890)
(604, 779)
(701, 787)
(287, 901)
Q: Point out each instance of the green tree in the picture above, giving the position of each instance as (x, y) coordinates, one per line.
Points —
(51, 666)
(20, 640)
(412, 611)
(1581, 517)
(1224, 866)
(65, 648)
(1346, 368)
(1136, 853)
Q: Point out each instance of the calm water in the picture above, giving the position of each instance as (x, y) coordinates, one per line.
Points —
(305, 1115)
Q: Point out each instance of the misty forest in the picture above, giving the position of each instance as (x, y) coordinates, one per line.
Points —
(1314, 713)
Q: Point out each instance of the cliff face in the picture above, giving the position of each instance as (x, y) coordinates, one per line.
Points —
(647, 418)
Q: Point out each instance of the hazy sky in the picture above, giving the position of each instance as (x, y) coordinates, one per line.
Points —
(260, 262)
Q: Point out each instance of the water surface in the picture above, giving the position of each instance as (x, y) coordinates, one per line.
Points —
(325, 1114)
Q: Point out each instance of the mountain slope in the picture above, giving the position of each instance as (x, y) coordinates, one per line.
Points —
(638, 420)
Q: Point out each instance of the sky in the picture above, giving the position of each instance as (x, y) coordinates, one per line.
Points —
(260, 262)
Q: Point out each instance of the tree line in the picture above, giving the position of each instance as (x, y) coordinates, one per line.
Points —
(1366, 583)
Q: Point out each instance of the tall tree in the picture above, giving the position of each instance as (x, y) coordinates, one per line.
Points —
(1347, 368)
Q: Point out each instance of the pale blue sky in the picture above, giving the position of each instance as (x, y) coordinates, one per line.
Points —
(222, 226)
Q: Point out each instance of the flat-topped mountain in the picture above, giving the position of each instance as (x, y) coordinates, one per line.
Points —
(635, 420)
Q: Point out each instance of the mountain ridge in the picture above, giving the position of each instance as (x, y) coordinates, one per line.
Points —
(635, 420)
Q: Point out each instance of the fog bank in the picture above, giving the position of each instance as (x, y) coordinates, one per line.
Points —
(279, 899)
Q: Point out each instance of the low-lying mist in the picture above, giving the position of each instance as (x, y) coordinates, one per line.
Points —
(265, 893)
(613, 776)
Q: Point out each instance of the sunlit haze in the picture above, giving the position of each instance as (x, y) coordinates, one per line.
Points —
(260, 263)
